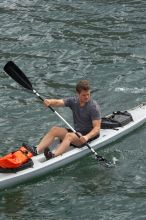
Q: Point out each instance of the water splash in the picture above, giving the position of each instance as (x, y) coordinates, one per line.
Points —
(134, 90)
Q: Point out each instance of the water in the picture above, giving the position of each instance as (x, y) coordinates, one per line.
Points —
(57, 43)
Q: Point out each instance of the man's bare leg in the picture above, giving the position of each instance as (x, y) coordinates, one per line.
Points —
(65, 144)
(49, 138)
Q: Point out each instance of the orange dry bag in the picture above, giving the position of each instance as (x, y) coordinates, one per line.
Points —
(16, 159)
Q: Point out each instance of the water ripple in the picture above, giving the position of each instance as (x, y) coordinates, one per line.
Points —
(57, 43)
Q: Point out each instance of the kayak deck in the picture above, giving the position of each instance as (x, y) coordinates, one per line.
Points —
(42, 167)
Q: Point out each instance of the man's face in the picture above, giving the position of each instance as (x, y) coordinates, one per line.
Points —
(84, 96)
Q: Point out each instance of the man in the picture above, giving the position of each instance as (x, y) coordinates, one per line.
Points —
(86, 117)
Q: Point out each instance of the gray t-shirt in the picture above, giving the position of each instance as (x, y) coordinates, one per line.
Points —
(83, 116)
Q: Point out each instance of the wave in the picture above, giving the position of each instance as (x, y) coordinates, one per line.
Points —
(134, 90)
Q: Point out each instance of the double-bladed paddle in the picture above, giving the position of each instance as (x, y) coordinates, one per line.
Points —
(16, 73)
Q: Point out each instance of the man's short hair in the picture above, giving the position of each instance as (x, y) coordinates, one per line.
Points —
(82, 85)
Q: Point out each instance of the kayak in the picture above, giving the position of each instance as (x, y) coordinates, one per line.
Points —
(41, 166)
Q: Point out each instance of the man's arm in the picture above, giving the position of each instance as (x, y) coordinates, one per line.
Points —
(54, 102)
(95, 131)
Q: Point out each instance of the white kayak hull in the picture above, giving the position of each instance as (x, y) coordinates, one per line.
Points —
(42, 167)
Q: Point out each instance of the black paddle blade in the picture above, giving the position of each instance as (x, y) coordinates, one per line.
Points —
(13, 71)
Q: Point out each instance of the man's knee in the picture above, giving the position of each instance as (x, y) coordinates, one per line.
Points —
(54, 130)
(70, 136)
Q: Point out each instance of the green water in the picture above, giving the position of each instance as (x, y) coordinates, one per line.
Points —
(57, 43)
